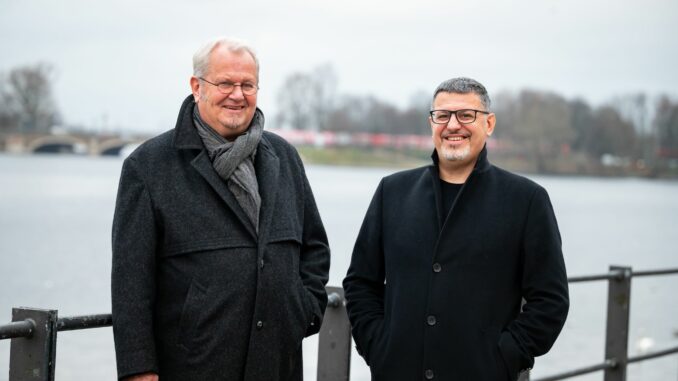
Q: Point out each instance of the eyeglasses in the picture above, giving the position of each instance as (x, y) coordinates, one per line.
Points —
(228, 87)
(464, 116)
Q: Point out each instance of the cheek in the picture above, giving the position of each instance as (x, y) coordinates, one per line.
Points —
(436, 130)
(251, 101)
(202, 95)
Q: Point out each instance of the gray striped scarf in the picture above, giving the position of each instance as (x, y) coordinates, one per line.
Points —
(234, 161)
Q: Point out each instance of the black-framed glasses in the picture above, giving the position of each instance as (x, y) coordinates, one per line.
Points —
(227, 87)
(464, 116)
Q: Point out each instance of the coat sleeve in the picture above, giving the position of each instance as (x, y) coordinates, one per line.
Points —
(364, 282)
(314, 261)
(544, 289)
(133, 275)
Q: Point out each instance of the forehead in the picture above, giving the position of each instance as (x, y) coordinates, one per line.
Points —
(228, 64)
(456, 101)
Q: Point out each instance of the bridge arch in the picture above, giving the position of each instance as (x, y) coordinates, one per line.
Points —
(57, 144)
(117, 147)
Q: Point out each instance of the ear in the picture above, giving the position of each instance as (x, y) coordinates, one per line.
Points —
(491, 122)
(195, 88)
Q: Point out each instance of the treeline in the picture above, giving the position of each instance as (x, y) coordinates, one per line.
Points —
(537, 131)
(26, 102)
(310, 101)
(635, 133)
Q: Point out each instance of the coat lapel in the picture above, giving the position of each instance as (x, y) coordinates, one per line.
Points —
(202, 164)
(267, 166)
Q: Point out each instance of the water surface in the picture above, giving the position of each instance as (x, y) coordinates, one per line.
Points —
(55, 224)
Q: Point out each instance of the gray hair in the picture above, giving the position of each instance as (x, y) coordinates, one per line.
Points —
(463, 85)
(201, 57)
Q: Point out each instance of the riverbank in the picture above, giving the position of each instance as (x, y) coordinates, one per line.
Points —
(363, 157)
(570, 165)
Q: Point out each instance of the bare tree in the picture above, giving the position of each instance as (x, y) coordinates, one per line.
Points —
(26, 98)
(612, 134)
(349, 114)
(506, 107)
(583, 123)
(636, 109)
(543, 125)
(307, 100)
(293, 101)
(666, 125)
(323, 94)
(9, 116)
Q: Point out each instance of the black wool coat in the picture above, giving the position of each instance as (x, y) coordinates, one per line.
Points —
(443, 302)
(197, 294)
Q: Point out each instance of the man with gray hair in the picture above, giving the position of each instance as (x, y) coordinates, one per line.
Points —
(446, 254)
(220, 258)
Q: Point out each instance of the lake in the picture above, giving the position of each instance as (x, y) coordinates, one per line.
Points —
(55, 228)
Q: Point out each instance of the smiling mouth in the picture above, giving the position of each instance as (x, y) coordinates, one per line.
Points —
(454, 138)
(234, 108)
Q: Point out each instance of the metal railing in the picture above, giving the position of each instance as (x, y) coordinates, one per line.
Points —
(616, 359)
(33, 333)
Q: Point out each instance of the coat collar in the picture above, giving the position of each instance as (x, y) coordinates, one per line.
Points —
(482, 165)
(185, 135)
(266, 166)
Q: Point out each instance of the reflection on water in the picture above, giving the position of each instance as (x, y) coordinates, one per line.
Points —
(55, 220)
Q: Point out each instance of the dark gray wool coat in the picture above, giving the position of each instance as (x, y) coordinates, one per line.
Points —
(196, 295)
(443, 302)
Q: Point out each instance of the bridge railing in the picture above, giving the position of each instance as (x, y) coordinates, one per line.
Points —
(33, 334)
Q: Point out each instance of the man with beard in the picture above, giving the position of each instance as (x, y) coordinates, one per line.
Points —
(220, 258)
(446, 254)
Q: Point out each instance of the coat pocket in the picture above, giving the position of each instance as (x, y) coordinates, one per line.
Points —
(492, 342)
(190, 313)
(379, 349)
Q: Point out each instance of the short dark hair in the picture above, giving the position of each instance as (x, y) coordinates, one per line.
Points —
(463, 85)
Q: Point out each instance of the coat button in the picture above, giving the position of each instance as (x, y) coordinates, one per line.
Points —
(428, 374)
(431, 320)
(437, 267)
(260, 324)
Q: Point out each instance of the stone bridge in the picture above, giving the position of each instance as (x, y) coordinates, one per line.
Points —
(73, 143)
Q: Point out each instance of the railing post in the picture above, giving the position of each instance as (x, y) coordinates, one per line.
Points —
(334, 342)
(33, 358)
(617, 334)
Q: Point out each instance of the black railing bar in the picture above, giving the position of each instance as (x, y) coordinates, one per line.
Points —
(589, 278)
(23, 328)
(70, 323)
(653, 355)
(620, 275)
(608, 364)
(655, 272)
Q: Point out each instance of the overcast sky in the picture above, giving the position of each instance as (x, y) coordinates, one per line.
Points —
(126, 64)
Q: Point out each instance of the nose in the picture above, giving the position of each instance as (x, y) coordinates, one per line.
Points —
(453, 123)
(237, 93)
